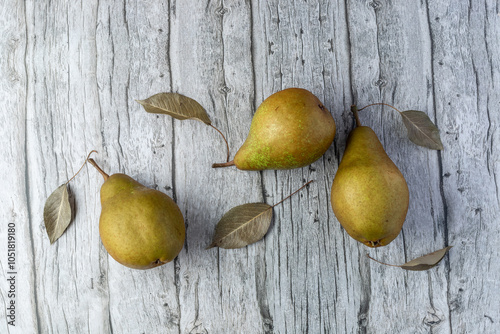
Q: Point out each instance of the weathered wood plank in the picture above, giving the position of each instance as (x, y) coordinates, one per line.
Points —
(62, 104)
(306, 252)
(218, 288)
(465, 73)
(391, 64)
(132, 63)
(15, 215)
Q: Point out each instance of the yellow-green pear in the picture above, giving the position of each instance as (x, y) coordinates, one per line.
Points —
(140, 227)
(369, 194)
(290, 129)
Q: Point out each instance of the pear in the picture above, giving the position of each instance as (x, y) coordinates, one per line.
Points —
(140, 227)
(290, 129)
(369, 193)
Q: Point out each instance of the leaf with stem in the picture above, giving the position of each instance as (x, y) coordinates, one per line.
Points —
(424, 262)
(179, 107)
(57, 210)
(245, 224)
(421, 130)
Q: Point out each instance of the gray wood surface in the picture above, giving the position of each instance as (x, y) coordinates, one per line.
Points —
(70, 72)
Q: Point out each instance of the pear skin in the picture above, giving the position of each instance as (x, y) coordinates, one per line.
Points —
(290, 129)
(369, 194)
(140, 227)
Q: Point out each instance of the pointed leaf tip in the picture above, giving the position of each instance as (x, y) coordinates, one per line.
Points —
(175, 105)
(57, 213)
(242, 226)
(421, 130)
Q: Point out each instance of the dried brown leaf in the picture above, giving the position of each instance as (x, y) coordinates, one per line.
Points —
(176, 105)
(242, 225)
(427, 261)
(421, 130)
(57, 213)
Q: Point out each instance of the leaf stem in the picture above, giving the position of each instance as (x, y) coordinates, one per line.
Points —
(88, 156)
(223, 137)
(296, 191)
(93, 163)
(386, 264)
(223, 164)
(354, 110)
(380, 104)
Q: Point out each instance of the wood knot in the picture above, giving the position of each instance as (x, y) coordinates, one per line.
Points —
(433, 319)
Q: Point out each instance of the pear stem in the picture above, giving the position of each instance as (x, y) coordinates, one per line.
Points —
(354, 110)
(380, 104)
(93, 163)
(88, 156)
(223, 137)
(223, 164)
(296, 191)
(386, 264)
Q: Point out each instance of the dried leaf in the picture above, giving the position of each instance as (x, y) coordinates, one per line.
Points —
(421, 263)
(242, 225)
(421, 130)
(427, 261)
(176, 105)
(57, 213)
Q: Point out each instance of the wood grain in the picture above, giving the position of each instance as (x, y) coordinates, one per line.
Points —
(70, 75)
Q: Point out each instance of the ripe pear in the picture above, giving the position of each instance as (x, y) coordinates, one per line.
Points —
(290, 129)
(140, 227)
(369, 193)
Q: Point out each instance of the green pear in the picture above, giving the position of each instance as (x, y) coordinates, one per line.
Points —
(140, 227)
(290, 129)
(369, 194)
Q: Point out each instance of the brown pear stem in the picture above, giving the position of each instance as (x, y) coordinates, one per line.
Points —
(354, 110)
(88, 156)
(380, 104)
(93, 163)
(223, 164)
(296, 191)
(386, 264)
(223, 137)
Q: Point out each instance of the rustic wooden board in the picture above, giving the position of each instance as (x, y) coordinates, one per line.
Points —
(70, 72)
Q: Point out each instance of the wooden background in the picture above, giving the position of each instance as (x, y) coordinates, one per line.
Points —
(70, 72)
